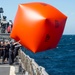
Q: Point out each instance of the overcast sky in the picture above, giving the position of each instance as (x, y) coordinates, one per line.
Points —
(65, 6)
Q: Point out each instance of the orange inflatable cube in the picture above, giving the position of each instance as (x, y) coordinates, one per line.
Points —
(39, 26)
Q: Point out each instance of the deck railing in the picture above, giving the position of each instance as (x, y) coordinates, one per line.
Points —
(29, 66)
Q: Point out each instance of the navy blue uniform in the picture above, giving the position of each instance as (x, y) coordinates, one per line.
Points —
(6, 52)
(11, 54)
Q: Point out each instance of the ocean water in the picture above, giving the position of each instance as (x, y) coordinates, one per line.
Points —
(58, 61)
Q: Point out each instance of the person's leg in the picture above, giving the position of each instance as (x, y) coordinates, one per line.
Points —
(0, 53)
(7, 56)
(10, 60)
(3, 59)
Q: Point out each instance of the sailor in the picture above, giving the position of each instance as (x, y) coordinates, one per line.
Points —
(9, 27)
(11, 52)
(2, 48)
(3, 24)
(6, 51)
(17, 47)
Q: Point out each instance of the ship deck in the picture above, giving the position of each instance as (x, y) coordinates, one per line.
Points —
(6, 69)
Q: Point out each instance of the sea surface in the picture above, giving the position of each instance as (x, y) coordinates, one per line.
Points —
(58, 61)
